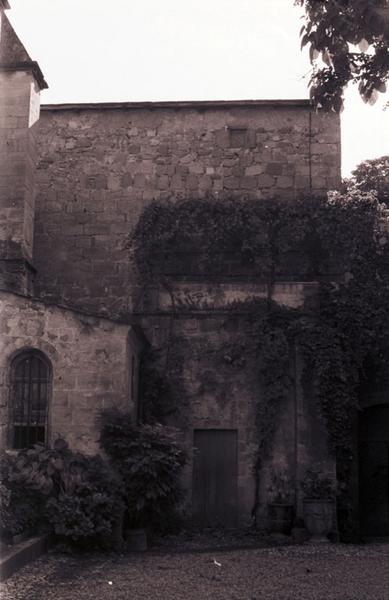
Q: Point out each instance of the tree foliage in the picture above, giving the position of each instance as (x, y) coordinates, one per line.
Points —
(348, 41)
(372, 175)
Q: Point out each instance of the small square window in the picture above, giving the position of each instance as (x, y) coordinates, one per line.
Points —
(238, 136)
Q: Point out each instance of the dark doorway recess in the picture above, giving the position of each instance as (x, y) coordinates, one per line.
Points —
(374, 470)
(215, 475)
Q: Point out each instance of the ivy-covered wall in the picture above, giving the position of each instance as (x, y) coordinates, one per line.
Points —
(100, 165)
(310, 347)
(213, 370)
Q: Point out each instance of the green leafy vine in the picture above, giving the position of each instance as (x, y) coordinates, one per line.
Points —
(341, 243)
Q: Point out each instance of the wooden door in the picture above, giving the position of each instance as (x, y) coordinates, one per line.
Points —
(215, 473)
(374, 471)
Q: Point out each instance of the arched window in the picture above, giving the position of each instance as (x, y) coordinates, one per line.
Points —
(30, 385)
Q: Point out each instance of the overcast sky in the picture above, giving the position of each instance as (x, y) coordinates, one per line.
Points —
(125, 50)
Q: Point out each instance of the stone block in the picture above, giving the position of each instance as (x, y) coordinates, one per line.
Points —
(177, 183)
(163, 182)
(192, 182)
(284, 182)
(205, 183)
(163, 150)
(274, 168)
(319, 183)
(217, 184)
(238, 171)
(254, 170)
(188, 158)
(133, 149)
(222, 138)
(196, 168)
(113, 182)
(231, 162)
(249, 183)
(139, 180)
(265, 180)
(182, 170)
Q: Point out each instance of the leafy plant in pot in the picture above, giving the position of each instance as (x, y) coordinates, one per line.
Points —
(149, 461)
(318, 505)
(281, 507)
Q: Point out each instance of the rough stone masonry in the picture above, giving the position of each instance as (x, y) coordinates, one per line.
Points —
(99, 165)
(74, 179)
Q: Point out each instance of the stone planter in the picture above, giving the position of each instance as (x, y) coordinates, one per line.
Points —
(136, 539)
(318, 518)
(280, 517)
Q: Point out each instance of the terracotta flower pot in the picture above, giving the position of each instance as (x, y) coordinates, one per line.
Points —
(280, 517)
(318, 518)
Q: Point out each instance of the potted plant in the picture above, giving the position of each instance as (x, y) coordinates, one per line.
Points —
(281, 506)
(149, 461)
(318, 505)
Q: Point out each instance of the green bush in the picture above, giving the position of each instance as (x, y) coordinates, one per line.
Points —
(317, 487)
(21, 494)
(76, 496)
(7, 525)
(150, 462)
(89, 501)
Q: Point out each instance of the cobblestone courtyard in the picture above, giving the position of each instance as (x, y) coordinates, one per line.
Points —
(308, 572)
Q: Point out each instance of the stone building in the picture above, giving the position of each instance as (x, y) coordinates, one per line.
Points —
(75, 318)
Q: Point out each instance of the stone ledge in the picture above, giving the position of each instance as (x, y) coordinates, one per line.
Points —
(30, 65)
(22, 554)
(191, 104)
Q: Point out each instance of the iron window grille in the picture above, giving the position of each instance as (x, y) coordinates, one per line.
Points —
(30, 385)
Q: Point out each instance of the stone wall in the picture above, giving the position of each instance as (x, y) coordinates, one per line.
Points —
(91, 364)
(218, 387)
(17, 174)
(20, 84)
(99, 165)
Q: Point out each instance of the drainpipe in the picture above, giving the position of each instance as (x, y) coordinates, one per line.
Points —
(295, 426)
(310, 150)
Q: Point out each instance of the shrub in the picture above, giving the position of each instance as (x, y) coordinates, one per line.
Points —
(76, 495)
(317, 487)
(6, 521)
(150, 462)
(21, 495)
(89, 501)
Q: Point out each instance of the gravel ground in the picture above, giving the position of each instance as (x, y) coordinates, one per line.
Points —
(309, 572)
(217, 540)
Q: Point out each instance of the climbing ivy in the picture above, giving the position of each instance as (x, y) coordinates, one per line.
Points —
(253, 231)
(161, 393)
(341, 242)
